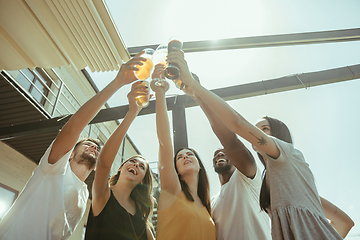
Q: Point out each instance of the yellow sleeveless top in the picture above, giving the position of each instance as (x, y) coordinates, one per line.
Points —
(184, 220)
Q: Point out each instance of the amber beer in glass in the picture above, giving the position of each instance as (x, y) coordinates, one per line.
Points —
(179, 84)
(145, 69)
(143, 100)
(172, 70)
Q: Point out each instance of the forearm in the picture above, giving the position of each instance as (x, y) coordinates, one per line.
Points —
(232, 120)
(168, 175)
(162, 121)
(338, 219)
(70, 133)
(112, 145)
(89, 110)
(342, 228)
(235, 150)
(225, 136)
(235, 122)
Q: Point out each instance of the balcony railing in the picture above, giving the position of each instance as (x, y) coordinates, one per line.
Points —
(48, 90)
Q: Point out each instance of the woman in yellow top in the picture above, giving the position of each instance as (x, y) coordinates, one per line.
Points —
(184, 210)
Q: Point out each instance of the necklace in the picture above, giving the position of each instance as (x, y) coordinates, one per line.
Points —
(137, 238)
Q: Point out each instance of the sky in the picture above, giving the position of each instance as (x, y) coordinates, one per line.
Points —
(322, 120)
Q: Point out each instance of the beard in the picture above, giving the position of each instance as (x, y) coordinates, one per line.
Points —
(87, 160)
(222, 169)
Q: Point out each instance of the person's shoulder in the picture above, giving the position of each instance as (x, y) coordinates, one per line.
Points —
(240, 178)
(215, 197)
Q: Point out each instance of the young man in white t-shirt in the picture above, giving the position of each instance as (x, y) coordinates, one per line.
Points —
(54, 199)
(236, 209)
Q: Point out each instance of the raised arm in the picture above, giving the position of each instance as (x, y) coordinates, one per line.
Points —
(233, 120)
(70, 133)
(100, 188)
(170, 184)
(338, 219)
(236, 151)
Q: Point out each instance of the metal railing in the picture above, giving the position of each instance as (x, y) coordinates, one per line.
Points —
(59, 99)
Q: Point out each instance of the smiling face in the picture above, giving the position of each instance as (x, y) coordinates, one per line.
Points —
(86, 153)
(134, 169)
(186, 161)
(221, 162)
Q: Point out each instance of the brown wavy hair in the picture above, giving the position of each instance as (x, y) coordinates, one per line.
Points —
(279, 130)
(141, 194)
(203, 183)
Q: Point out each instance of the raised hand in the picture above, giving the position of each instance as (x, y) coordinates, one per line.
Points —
(187, 90)
(137, 89)
(177, 56)
(126, 73)
(159, 73)
(162, 89)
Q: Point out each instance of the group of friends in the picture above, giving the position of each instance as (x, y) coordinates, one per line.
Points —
(54, 199)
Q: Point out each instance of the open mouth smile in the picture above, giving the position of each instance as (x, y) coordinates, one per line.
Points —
(92, 152)
(220, 160)
(132, 170)
(187, 162)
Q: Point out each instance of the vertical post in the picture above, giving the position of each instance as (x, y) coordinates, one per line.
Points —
(89, 130)
(123, 149)
(179, 123)
(57, 99)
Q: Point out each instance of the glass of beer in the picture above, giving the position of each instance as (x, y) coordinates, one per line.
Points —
(172, 70)
(179, 84)
(143, 100)
(160, 57)
(145, 69)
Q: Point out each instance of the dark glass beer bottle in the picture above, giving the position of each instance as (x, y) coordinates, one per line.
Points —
(172, 70)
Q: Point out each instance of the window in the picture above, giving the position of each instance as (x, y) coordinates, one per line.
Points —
(7, 197)
(29, 79)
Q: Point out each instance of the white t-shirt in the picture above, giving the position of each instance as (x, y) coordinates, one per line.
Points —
(236, 210)
(50, 206)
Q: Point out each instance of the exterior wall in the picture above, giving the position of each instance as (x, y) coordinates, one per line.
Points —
(15, 169)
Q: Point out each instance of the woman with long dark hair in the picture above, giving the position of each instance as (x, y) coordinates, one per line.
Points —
(294, 205)
(121, 206)
(184, 210)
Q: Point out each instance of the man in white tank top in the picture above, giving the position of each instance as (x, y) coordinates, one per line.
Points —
(236, 208)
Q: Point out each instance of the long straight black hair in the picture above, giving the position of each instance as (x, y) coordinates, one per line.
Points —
(279, 130)
(203, 183)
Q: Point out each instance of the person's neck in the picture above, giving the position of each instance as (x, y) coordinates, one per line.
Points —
(80, 170)
(122, 192)
(192, 181)
(225, 177)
